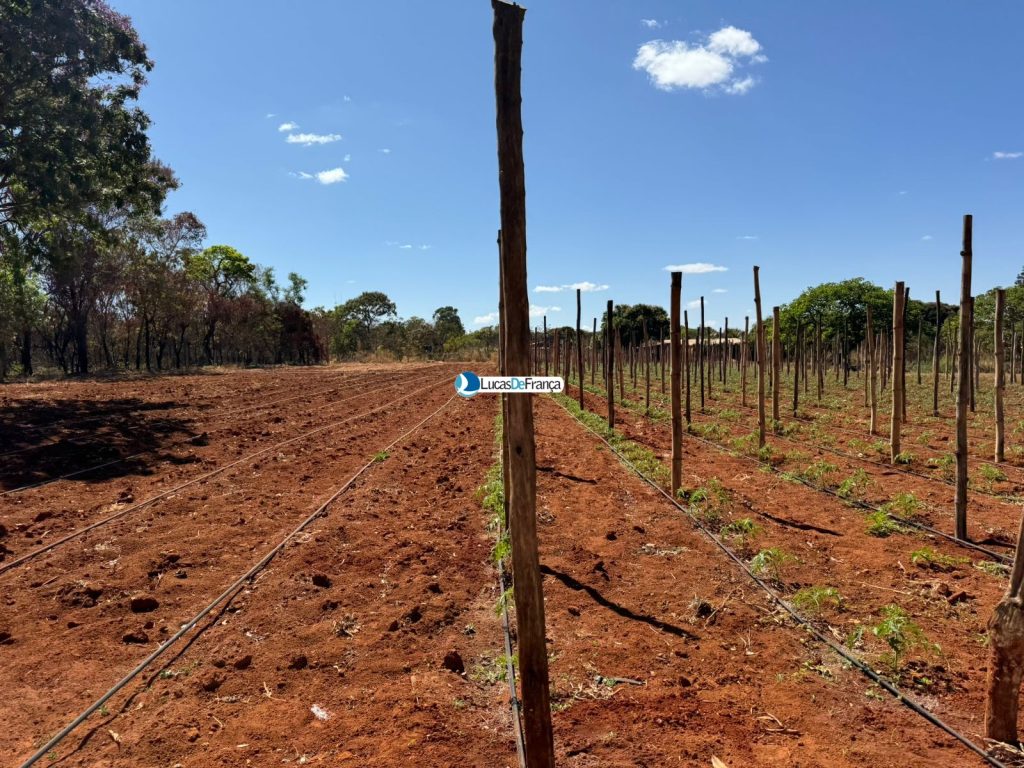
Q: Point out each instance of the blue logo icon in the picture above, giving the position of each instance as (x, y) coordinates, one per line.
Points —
(467, 383)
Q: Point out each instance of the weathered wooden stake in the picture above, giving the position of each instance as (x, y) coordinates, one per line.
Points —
(686, 365)
(873, 388)
(935, 355)
(964, 394)
(776, 368)
(1000, 379)
(521, 483)
(546, 371)
(1006, 656)
(797, 352)
(579, 345)
(743, 360)
(898, 298)
(609, 366)
(761, 362)
(677, 424)
(702, 335)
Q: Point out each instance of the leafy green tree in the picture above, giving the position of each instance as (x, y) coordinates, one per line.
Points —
(447, 324)
(70, 134)
(226, 274)
(367, 310)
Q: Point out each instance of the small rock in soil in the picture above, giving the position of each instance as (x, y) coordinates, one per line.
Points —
(453, 662)
(243, 663)
(298, 662)
(143, 604)
(211, 681)
(79, 595)
(136, 638)
(393, 626)
(321, 581)
(434, 587)
(192, 734)
(414, 615)
(611, 536)
(5, 637)
(958, 597)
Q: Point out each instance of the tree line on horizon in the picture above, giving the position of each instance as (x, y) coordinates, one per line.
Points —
(94, 275)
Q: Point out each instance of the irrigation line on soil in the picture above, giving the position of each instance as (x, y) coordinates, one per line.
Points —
(881, 465)
(229, 592)
(243, 409)
(5, 567)
(853, 660)
(852, 502)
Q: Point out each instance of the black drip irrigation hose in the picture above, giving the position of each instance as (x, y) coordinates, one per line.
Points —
(227, 593)
(998, 557)
(853, 660)
(113, 462)
(903, 470)
(5, 567)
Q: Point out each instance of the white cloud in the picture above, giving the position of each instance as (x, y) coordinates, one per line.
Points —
(309, 139)
(384, 151)
(347, 158)
(301, 175)
(270, 115)
(586, 287)
(651, 23)
(333, 176)
(903, 191)
(405, 246)
(1007, 155)
(491, 318)
(927, 237)
(536, 311)
(695, 304)
(720, 290)
(425, 247)
(696, 268)
(733, 42)
(712, 64)
(346, 97)
(747, 237)
(285, 127)
(739, 87)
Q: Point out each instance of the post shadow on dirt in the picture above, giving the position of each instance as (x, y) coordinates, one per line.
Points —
(40, 441)
(622, 611)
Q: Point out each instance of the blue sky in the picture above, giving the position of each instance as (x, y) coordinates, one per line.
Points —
(819, 140)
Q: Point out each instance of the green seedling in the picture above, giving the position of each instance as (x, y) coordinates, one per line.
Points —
(903, 505)
(854, 486)
(926, 557)
(814, 599)
(881, 525)
(903, 457)
(381, 456)
(902, 636)
(818, 471)
(770, 563)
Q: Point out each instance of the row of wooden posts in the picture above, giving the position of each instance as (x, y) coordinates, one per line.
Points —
(518, 355)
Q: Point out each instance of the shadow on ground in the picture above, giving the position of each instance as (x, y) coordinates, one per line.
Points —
(43, 440)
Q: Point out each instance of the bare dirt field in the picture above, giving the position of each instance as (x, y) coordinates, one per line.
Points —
(371, 638)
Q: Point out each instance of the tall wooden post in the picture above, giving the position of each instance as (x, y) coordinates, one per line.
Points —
(546, 371)
(1005, 665)
(677, 421)
(898, 299)
(661, 357)
(964, 393)
(579, 344)
(744, 355)
(503, 370)
(999, 374)
(873, 387)
(593, 360)
(920, 345)
(521, 484)
(702, 336)
(686, 365)
(725, 356)
(776, 368)
(761, 362)
(935, 355)
(797, 352)
(610, 365)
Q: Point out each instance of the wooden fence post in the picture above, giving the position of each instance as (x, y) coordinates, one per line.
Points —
(745, 353)
(999, 375)
(797, 353)
(579, 345)
(677, 423)
(964, 394)
(935, 356)
(686, 365)
(609, 366)
(702, 335)
(521, 484)
(776, 368)
(898, 299)
(760, 361)
(873, 384)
